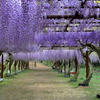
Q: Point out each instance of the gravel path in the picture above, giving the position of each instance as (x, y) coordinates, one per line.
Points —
(41, 83)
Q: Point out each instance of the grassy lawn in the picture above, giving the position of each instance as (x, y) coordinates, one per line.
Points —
(8, 80)
(94, 85)
(47, 63)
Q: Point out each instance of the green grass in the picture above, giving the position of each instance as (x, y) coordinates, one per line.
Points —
(94, 85)
(8, 80)
(47, 63)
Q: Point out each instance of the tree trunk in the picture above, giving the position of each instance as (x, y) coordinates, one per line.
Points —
(69, 69)
(27, 65)
(77, 70)
(76, 64)
(15, 65)
(60, 67)
(57, 65)
(65, 68)
(6, 65)
(10, 68)
(87, 80)
(89, 68)
(10, 62)
(87, 65)
(19, 65)
(89, 71)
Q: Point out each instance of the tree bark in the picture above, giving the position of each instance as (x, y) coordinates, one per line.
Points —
(60, 67)
(90, 70)
(91, 46)
(87, 80)
(69, 69)
(87, 66)
(19, 66)
(77, 70)
(76, 64)
(57, 65)
(15, 65)
(27, 66)
(65, 68)
(94, 48)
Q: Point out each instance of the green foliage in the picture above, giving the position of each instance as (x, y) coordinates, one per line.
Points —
(8, 80)
(82, 66)
(96, 64)
(47, 63)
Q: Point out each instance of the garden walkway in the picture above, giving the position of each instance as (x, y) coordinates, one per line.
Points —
(41, 83)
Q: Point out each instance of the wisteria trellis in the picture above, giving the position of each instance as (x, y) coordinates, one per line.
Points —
(23, 24)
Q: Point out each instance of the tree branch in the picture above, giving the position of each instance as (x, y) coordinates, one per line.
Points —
(81, 42)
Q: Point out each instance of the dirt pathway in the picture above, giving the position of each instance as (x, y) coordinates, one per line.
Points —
(39, 84)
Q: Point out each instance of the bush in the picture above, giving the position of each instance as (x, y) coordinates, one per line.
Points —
(82, 66)
(96, 64)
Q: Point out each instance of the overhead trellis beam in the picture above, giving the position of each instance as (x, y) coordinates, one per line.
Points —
(94, 25)
(78, 22)
(58, 47)
(81, 7)
(74, 31)
(70, 16)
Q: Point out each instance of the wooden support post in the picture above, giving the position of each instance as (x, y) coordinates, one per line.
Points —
(2, 70)
(87, 66)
